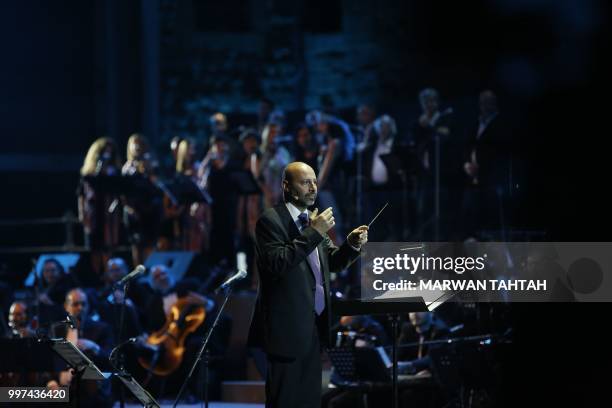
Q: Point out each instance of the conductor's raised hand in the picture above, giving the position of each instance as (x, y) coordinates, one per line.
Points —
(322, 222)
(358, 237)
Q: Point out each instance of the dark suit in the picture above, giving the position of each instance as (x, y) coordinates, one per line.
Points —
(485, 203)
(285, 323)
(493, 153)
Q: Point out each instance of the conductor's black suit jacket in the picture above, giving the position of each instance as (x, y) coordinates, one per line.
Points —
(284, 315)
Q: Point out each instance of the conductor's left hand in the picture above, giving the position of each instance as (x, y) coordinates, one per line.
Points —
(358, 236)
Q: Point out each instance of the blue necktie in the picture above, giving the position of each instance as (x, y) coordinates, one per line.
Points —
(313, 261)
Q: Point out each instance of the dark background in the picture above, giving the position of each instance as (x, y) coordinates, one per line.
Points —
(72, 71)
(81, 70)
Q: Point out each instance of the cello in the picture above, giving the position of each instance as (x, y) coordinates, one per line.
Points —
(168, 343)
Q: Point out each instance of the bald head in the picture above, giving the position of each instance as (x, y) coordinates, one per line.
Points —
(18, 315)
(295, 168)
(299, 185)
(76, 303)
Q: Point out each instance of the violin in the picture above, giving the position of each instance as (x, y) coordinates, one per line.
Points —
(168, 343)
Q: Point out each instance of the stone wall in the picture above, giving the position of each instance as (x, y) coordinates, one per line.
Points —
(207, 71)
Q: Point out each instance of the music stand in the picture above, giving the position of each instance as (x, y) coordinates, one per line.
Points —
(140, 393)
(187, 191)
(343, 360)
(141, 187)
(391, 308)
(77, 360)
(135, 185)
(245, 182)
(83, 367)
(111, 185)
(356, 364)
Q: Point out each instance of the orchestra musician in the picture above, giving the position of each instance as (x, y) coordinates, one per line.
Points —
(420, 328)
(383, 184)
(335, 141)
(167, 235)
(440, 168)
(274, 158)
(20, 325)
(249, 206)
(19, 321)
(159, 297)
(141, 212)
(414, 355)
(305, 147)
(292, 314)
(217, 168)
(192, 225)
(95, 339)
(353, 332)
(218, 125)
(488, 166)
(55, 282)
(52, 287)
(101, 226)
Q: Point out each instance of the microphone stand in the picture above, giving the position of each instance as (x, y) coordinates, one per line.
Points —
(121, 357)
(228, 292)
(394, 319)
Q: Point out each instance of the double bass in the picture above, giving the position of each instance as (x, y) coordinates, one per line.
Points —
(168, 343)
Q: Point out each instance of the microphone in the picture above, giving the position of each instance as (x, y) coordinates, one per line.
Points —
(139, 270)
(131, 340)
(111, 356)
(241, 274)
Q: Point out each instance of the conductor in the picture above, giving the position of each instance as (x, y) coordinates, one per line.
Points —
(292, 314)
